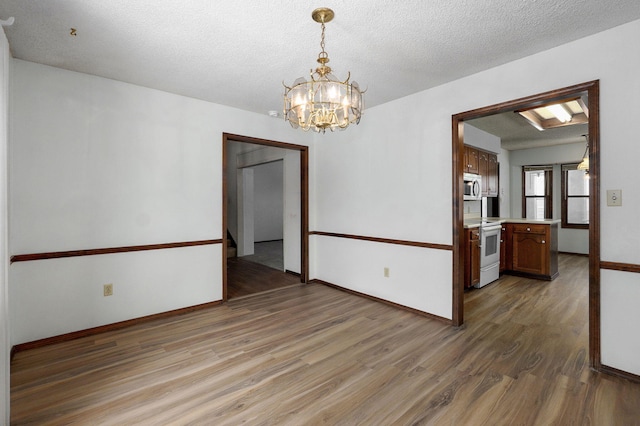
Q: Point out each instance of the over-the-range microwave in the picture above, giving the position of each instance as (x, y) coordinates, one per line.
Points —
(472, 186)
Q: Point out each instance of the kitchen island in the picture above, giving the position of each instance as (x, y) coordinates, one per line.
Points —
(528, 247)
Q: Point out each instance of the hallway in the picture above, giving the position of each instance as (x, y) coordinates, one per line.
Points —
(259, 272)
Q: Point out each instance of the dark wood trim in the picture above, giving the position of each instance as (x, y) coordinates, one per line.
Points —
(592, 89)
(384, 240)
(225, 228)
(566, 225)
(304, 210)
(594, 225)
(523, 188)
(458, 237)
(623, 374)
(533, 101)
(617, 266)
(548, 192)
(109, 327)
(564, 200)
(266, 142)
(292, 273)
(304, 200)
(534, 276)
(109, 250)
(386, 302)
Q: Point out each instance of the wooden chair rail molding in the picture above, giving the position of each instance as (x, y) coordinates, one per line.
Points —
(384, 240)
(109, 250)
(616, 266)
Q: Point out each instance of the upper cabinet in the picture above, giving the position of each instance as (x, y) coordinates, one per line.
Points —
(471, 160)
(485, 164)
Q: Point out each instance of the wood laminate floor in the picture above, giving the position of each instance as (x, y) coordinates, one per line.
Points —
(310, 354)
(245, 277)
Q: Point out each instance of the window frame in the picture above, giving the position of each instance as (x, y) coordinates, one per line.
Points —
(548, 190)
(564, 205)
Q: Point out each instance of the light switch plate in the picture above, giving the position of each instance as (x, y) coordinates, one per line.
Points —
(614, 197)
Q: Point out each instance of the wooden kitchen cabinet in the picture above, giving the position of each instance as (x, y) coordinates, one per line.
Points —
(483, 170)
(535, 250)
(506, 257)
(471, 160)
(485, 164)
(472, 257)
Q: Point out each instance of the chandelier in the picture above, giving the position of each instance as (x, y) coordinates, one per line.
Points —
(323, 102)
(584, 165)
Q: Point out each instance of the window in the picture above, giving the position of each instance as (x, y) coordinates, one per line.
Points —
(575, 197)
(537, 196)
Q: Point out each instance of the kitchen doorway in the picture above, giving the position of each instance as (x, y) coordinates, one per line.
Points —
(296, 219)
(590, 90)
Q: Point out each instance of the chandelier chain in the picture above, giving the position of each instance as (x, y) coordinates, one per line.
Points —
(322, 40)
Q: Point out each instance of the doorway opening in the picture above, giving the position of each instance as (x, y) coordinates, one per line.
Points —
(265, 206)
(258, 202)
(589, 90)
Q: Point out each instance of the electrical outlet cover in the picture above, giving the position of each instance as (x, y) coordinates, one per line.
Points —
(108, 290)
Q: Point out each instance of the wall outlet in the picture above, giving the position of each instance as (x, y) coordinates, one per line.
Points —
(108, 290)
(386, 272)
(614, 197)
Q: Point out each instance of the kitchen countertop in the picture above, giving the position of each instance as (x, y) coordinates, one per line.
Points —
(477, 221)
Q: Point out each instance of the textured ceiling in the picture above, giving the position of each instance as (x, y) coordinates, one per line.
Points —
(516, 133)
(238, 53)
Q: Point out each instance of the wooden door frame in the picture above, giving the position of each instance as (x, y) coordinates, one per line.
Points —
(304, 200)
(592, 89)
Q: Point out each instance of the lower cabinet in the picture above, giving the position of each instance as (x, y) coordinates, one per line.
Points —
(506, 252)
(526, 249)
(535, 250)
(472, 257)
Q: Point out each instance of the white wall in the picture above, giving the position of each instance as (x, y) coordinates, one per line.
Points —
(68, 292)
(619, 289)
(569, 240)
(269, 201)
(244, 215)
(391, 176)
(5, 346)
(292, 232)
(99, 163)
(481, 139)
(504, 158)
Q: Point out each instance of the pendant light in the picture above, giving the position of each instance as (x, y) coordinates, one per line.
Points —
(584, 165)
(323, 102)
